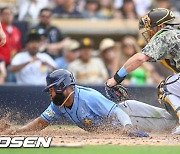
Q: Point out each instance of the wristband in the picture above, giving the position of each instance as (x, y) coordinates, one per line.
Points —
(118, 79)
(120, 75)
(122, 72)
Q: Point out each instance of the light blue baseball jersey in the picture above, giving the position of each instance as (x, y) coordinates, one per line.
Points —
(90, 111)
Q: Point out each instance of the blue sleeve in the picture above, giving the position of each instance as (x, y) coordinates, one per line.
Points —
(51, 113)
(99, 104)
(102, 106)
(120, 115)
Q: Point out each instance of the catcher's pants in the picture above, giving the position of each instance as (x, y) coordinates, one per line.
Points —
(173, 87)
(147, 117)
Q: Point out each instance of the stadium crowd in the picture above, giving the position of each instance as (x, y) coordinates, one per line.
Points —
(28, 58)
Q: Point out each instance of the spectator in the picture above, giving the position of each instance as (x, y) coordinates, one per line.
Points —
(67, 10)
(29, 9)
(109, 55)
(80, 5)
(106, 9)
(163, 4)
(13, 36)
(30, 66)
(91, 9)
(168, 5)
(2, 36)
(2, 71)
(88, 70)
(139, 76)
(127, 11)
(142, 6)
(71, 53)
(55, 39)
(176, 4)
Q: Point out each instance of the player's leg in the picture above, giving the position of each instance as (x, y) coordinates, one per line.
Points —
(147, 117)
(170, 97)
(169, 94)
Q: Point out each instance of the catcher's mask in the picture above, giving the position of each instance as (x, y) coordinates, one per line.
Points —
(156, 17)
(60, 80)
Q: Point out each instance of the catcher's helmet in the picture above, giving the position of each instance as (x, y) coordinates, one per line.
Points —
(155, 17)
(60, 79)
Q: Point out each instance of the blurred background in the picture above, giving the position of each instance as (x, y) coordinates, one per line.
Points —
(91, 38)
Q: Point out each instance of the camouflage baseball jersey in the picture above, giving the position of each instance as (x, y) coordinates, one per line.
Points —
(165, 46)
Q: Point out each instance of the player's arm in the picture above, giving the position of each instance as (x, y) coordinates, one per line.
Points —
(125, 120)
(121, 116)
(134, 62)
(2, 36)
(35, 125)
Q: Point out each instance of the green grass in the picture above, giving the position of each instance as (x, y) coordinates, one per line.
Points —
(102, 149)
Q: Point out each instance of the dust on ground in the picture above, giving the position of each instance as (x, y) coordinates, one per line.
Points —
(75, 135)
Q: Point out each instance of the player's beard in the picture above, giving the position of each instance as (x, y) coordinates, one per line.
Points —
(58, 99)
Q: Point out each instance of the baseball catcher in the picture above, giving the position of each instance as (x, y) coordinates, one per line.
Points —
(163, 37)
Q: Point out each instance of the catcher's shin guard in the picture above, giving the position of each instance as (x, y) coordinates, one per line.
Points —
(164, 100)
(171, 109)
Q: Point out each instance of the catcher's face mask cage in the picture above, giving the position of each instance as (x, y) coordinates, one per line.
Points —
(145, 28)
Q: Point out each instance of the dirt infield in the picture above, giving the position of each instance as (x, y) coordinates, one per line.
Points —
(74, 135)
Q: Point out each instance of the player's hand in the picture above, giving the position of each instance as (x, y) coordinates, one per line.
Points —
(2, 38)
(133, 132)
(111, 82)
(137, 133)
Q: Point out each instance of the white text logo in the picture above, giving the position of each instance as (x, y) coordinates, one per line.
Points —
(26, 142)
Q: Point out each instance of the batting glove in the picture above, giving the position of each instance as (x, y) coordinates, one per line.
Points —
(137, 133)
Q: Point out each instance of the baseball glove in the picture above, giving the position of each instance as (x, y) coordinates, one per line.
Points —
(117, 93)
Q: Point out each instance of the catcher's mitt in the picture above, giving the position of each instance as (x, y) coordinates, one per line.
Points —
(117, 93)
